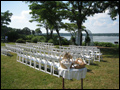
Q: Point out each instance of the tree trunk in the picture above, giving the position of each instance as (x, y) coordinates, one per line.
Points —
(59, 37)
(51, 33)
(79, 33)
(47, 32)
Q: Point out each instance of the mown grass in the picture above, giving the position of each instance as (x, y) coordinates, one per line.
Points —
(100, 75)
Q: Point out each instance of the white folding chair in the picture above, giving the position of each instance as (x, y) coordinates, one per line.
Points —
(49, 63)
(56, 64)
(19, 55)
(42, 60)
(98, 55)
(87, 57)
(32, 58)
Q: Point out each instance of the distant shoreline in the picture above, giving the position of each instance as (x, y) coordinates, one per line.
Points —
(94, 34)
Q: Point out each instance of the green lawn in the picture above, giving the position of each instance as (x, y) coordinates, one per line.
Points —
(100, 75)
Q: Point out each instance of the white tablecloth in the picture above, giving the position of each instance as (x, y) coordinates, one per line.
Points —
(72, 73)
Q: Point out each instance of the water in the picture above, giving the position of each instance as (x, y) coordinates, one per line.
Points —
(111, 39)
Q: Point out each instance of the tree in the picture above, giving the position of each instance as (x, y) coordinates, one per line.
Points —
(113, 7)
(78, 11)
(38, 31)
(72, 28)
(49, 11)
(26, 31)
(33, 32)
(45, 25)
(5, 18)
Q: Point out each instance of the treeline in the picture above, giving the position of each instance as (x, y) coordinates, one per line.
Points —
(13, 34)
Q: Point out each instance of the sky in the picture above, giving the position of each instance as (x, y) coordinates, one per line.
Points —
(99, 23)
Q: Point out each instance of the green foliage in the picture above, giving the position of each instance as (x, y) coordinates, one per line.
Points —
(64, 41)
(41, 39)
(28, 40)
(72, 41)
(34, 40)
(37, 30)
(12, 36)
(20, 40)
(22, 36)
(5, 18)
(113, 7)
(51, 41)
(29, 37)
(26, 31)
(104, 44)
(55, 39)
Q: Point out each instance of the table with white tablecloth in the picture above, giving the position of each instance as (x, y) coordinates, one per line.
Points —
(72, 73)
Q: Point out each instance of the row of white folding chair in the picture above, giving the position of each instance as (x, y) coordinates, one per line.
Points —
(4, 51)
(40, 58)
(27, 57)
(12, 48)
(85, 55)
(52, 60)
(49, 59)
(90, 50)
(88, 53)
(44, 43)
(94, 52)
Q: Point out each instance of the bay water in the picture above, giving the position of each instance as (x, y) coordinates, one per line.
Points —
(110, 39)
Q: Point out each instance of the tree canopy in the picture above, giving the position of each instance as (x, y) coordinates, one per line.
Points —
(5, 18)
(53, 12)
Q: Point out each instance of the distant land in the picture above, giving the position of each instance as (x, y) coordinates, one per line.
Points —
(94, 34)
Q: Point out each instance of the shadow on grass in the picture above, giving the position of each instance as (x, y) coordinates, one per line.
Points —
(110, 52)
(89, 70)
(103, 61)
(94, 64)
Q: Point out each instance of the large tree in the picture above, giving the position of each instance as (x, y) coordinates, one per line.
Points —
(78, 11)
(49, 11)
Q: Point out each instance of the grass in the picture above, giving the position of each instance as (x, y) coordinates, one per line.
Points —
(100, 75)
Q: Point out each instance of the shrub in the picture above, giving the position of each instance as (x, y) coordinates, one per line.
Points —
(20, 40)
(64, 41)
(96, 43)
(29, 37)
(22, 36)
(104, 44)
(28, 40)
(34, 39)
(51, 41)
(41, 38)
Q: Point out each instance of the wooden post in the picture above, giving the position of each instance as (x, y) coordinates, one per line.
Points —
(63, 84)
(81, 83)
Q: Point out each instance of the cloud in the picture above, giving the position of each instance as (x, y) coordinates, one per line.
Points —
(24, 16)
(97, 23)
(22, 20)
(113, 24)
(101, 23)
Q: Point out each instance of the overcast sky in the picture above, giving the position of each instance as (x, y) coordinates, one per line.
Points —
(99, 23)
